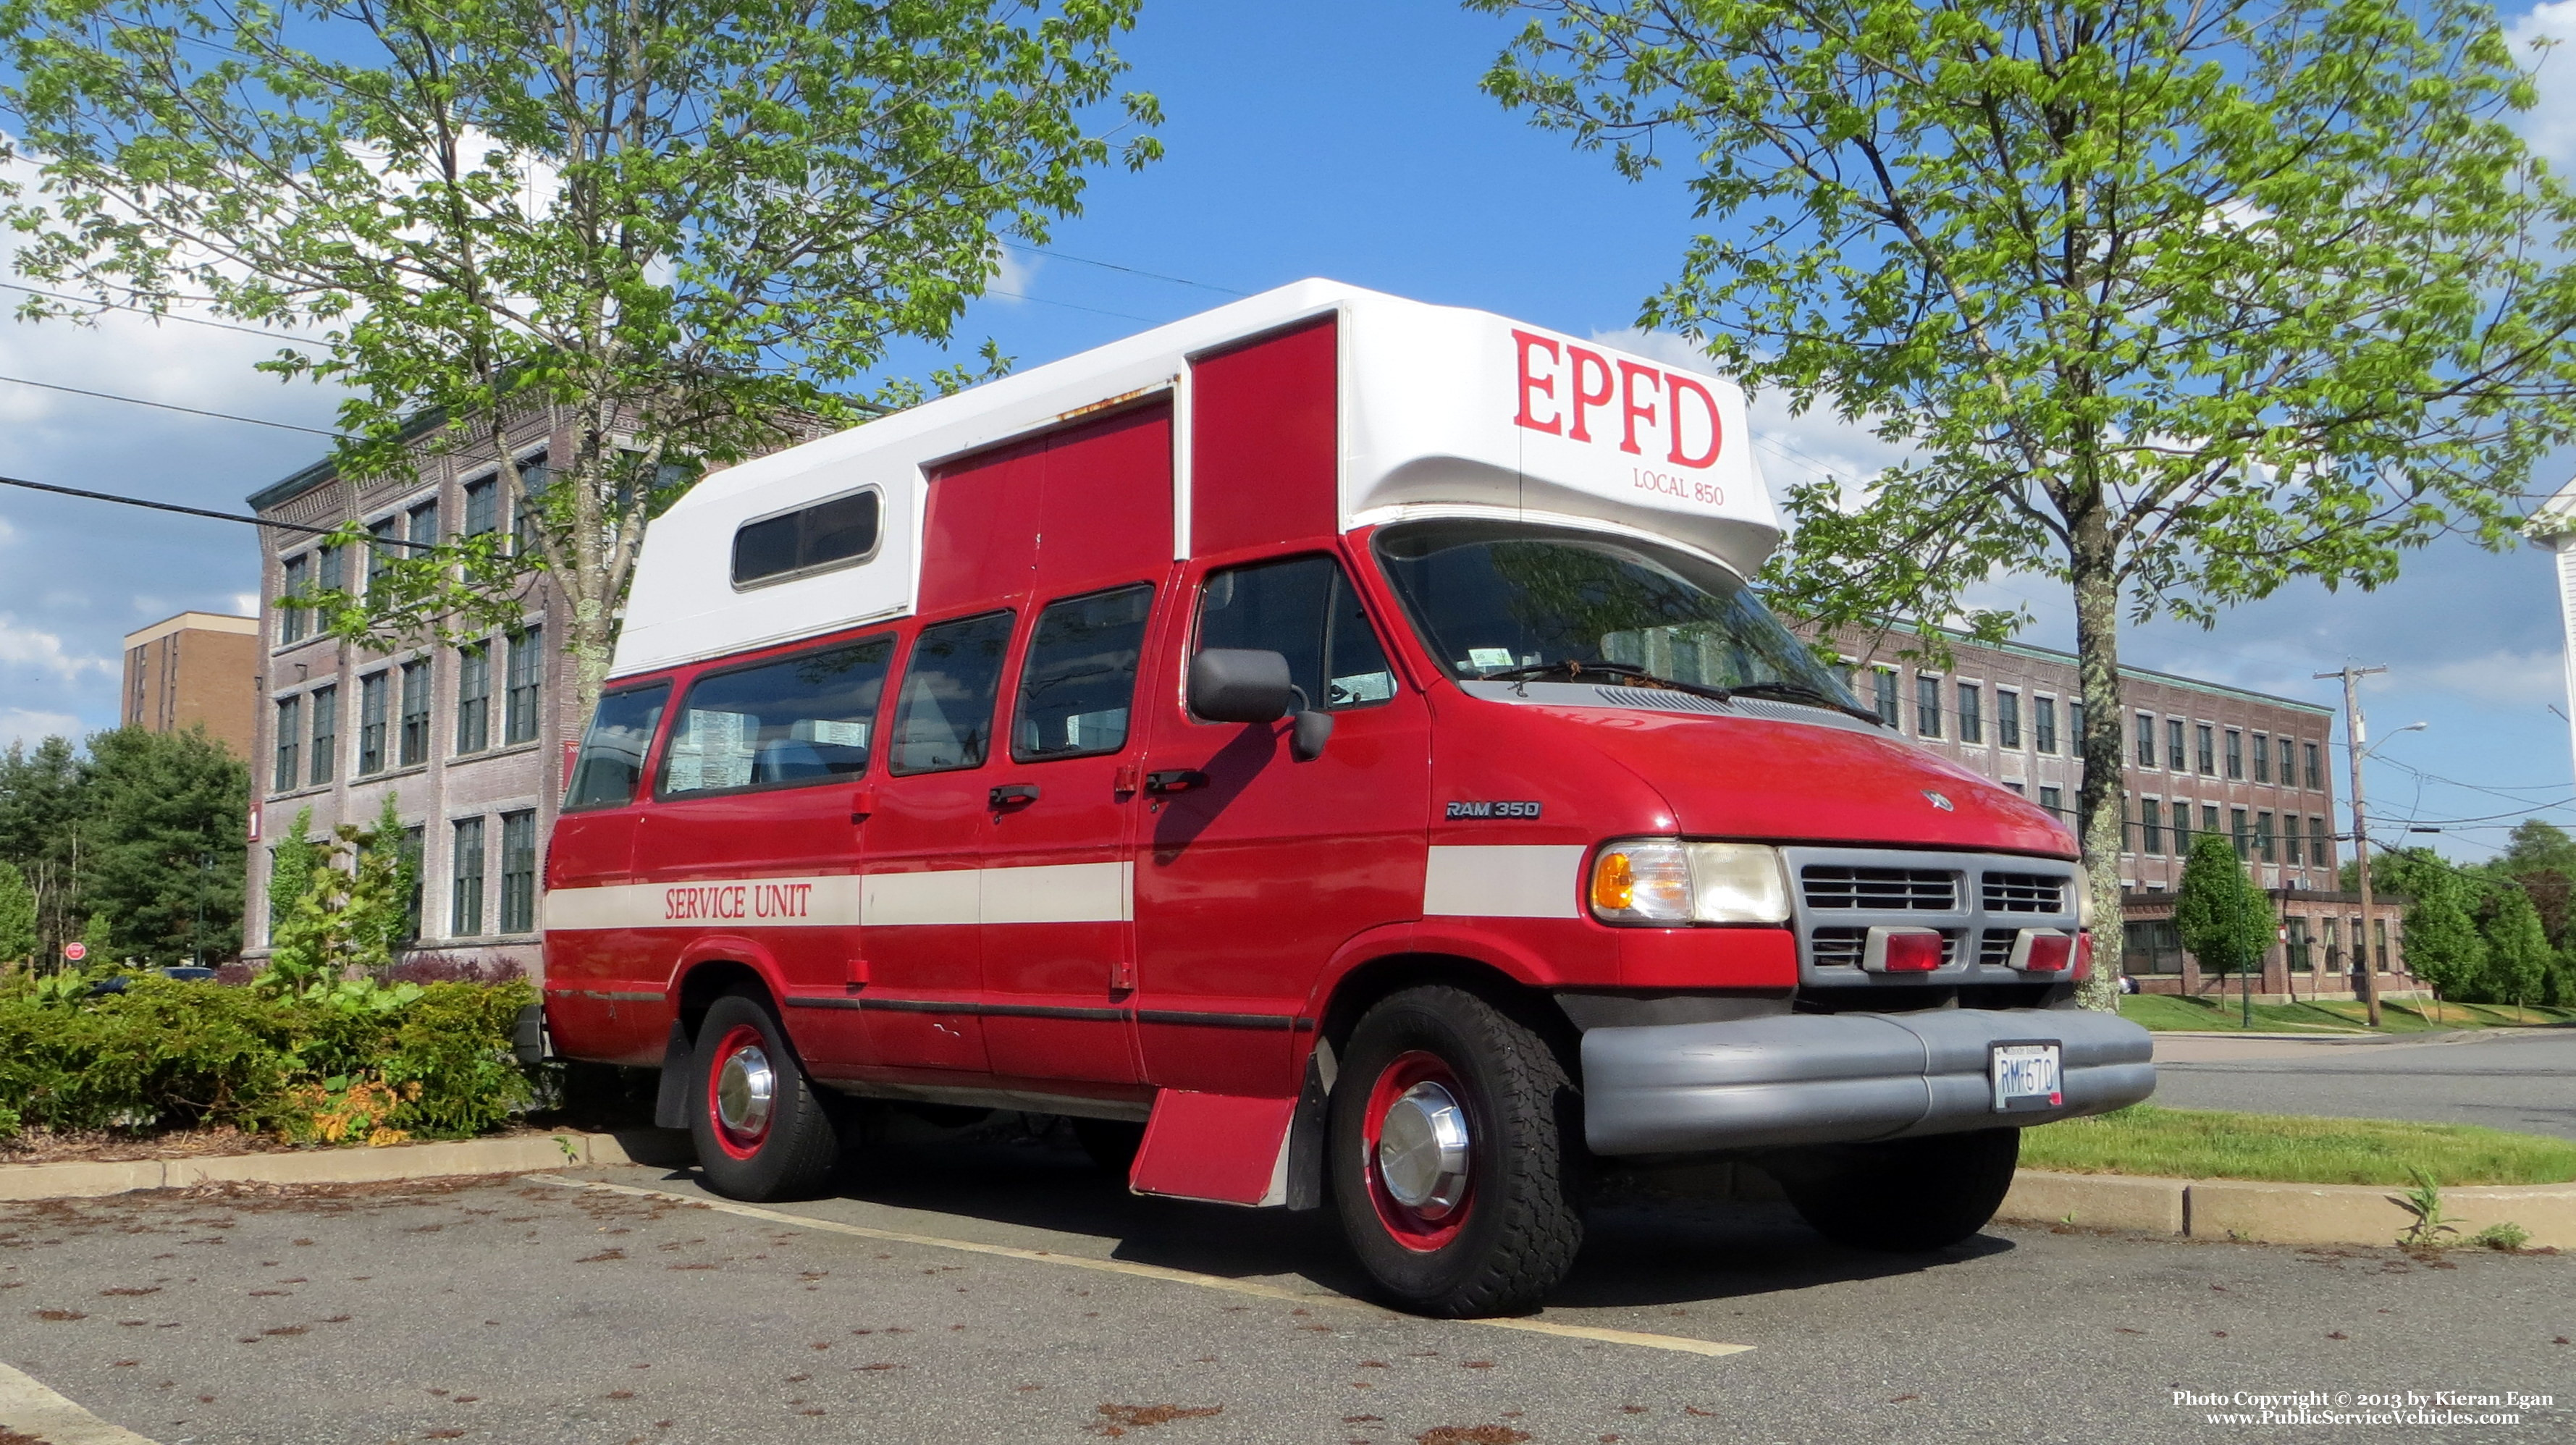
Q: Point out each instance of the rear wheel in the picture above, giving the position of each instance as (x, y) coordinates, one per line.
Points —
(1453, 1155)
(1111, 1143)
(1907, 1196)
(762, 1131)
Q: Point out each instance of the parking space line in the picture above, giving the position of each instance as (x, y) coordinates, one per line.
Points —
(1679, 1343)
(27, 1408)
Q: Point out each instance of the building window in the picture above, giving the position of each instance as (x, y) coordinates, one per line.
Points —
(372, 690)
(2054, 801)
(380, 551)
(2154, 946)
(524, 518)
(2379, 945)
(2290, 839)
(2263, 759)
(2043, 724)
(414, 740)
(2320, 850)
(2235, 755)
(2075, 729)
(473, 697)
(2181, 829)
(422, 524)
(2263, 837)
(2209, 817)
(292, 618)
(2289, 778)
(290, 734)
(2176, 756)
(465, 893)
(2151, 826)
(1972, 713)
(482, 509)
(2316, 779)
(2007, 717)
(2237, 829)
(518, 872)
(326, 732)
(527, 670)
(1927, 705)
(2205, 742)
(1885, 680)
(2146, 740)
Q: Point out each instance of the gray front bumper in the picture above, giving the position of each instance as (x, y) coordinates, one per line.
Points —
(1840, 1078)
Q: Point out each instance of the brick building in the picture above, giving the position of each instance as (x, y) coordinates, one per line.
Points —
(2197, 757)
(197, 667)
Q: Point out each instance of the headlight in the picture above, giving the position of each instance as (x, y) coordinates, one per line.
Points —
(1668, 881)
(2083, 897)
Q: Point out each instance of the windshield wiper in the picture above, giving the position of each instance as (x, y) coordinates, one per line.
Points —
(1801, 692)
(1573, 669)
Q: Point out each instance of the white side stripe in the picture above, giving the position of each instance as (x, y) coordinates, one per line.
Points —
(1054, 893)
(1536, 881)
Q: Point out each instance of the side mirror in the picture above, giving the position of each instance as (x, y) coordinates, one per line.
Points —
(1307, 736)
(1235, 684)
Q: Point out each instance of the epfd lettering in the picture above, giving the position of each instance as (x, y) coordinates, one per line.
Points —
(1641, 399)
(737, 900)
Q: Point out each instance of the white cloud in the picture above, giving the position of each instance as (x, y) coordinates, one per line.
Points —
(2550, 125)
(29, 647)
(2508, 679)
(246, 603)
(1016, 275)
(8, 534)
(19, 725)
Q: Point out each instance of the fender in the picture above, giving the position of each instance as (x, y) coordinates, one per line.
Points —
(1456, 937)
(727, 948)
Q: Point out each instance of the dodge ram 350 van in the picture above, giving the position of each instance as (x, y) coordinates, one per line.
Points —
(1327, 748)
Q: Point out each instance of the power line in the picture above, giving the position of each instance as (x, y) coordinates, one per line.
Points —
(1069, 306)
(203, 512)
(143, 311)
(1130, 270)
(170, 406)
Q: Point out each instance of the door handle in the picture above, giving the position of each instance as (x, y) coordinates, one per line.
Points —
(1010, 793)
(1175, 780)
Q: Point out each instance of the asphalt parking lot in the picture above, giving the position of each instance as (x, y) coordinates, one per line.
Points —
(2520, 1079)
(1005, 1292)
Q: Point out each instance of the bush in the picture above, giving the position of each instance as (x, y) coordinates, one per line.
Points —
(320, 1064)
(433, 967)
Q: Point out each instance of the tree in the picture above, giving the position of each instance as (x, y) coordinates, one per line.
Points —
(2534, 846)
(2225, 921)
(348, 918)
(2518, 954)
(2169, 304)
(679, 225)
(17, 916)
(2443, 945)
(41, 803)
(167, 815)
(290, 866)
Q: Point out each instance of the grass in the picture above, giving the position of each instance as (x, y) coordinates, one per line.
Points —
(2211, 1011)
(2293, 1149)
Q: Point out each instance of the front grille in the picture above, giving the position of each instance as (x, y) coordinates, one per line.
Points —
(1843, 947)
(2023, 893)
(1835, 885)
(1994, 950)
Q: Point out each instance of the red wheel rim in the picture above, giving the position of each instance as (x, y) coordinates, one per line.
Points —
(1411, 1227)
(741, 1091)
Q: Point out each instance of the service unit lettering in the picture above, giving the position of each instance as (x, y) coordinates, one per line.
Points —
(736, 901)
(1485, 808)
(1631, 398)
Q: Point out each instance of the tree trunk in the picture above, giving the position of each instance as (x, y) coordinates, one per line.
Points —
(2098, 806)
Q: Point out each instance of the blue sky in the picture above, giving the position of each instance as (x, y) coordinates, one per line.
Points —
(1343, 138)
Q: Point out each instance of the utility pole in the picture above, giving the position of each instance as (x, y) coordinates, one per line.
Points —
(2354, 731)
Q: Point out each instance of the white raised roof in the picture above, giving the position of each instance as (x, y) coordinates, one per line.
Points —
(1443, 411)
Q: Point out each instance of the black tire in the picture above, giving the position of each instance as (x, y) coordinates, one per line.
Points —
(1514, 1234)
(1904, 1197)
(792, 1155)
(1111, 1143)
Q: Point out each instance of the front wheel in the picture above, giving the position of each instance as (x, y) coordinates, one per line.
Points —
(1908, 1196)
(1454, 1151)
(761, 1130)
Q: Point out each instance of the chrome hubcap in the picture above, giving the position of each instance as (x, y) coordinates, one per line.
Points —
(1422, 1150)
(746, 1087)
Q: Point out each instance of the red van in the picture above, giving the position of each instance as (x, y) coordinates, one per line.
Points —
(1328, 749)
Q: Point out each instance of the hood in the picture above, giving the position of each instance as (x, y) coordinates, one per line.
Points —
(1787, 782)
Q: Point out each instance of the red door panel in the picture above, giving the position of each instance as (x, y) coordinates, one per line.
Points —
(1265, 449)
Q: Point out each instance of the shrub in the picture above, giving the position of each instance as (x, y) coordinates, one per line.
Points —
(438, 967)
(321, 1063)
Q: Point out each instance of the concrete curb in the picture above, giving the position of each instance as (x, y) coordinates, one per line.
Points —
(2243, 1209)
(515, 1154)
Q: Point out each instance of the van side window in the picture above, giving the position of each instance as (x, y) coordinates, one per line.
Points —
(802, 719)
(841, 532)
(612, 752)
(1080, 676)
(945, 718)
(1305, 610)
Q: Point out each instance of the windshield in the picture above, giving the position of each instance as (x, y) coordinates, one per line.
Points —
(1508, 597)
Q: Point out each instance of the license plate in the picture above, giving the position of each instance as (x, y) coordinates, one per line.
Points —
(2026, 1076)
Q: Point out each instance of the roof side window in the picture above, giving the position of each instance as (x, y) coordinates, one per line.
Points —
(841, 532)
(804, 719)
